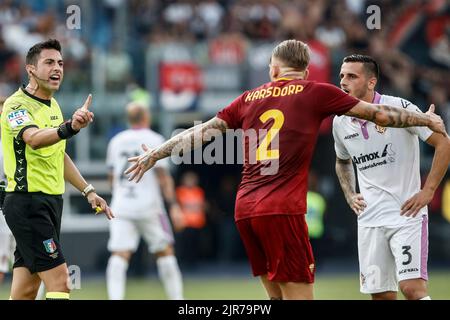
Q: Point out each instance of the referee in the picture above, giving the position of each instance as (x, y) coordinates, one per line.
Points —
(34, 138)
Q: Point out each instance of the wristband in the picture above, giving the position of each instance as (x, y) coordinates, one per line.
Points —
(65, 130)
(89, 188)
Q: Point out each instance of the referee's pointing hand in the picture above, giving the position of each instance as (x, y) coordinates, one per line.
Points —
(82, 116)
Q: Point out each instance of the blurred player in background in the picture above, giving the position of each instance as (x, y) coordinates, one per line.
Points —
(391, 206)
(140, 209)
(7, 242)
(271, 200)
(36, 166)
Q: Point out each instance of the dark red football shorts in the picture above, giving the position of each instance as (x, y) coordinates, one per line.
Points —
(278, 245)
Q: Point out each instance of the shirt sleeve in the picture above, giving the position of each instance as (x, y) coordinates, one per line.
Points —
(332, 100)
(231, 113)
(423, 132)
(339, 147)
(19, 120)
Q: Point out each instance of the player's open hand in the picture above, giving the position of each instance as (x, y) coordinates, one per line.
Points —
(413, 205)
(436, 122)
(82, 116)
(357, 203)
(99, 205)
(141, 164)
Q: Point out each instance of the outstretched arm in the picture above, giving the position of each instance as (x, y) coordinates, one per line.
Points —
(388, 116)
(191, 138)
(346, 176)
(441, 160)
(186, 141)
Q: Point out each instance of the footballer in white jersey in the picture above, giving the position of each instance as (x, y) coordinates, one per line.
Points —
(139, 208)
(129, 199)
(391, 205)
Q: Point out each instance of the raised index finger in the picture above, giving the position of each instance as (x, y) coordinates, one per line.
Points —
(87, 103)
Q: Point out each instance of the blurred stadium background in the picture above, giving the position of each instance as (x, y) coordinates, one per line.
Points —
(187, 59)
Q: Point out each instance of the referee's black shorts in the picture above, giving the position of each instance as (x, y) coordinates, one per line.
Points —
(35, 221)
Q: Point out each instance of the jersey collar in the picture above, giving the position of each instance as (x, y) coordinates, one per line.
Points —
(284, 79)
(44, 101)
(363, 123)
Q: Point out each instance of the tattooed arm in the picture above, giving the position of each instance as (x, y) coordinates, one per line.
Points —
(192, 138)
(185, 141)
(346, 176)
(388, 116)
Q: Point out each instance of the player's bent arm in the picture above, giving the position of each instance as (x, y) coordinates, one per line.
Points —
(388, 116)
(441, 161)
(38, 138)
(183, 142)
(346, 176)
(111, 179)
(191, 138)
(167, 185)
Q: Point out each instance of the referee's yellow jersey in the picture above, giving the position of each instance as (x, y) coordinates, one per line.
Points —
(28, 170)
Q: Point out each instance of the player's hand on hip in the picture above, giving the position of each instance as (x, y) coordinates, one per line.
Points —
(99, 205)
(82, 116)
(357, 203)
(436, 122)
(141, 164)
(412, 206)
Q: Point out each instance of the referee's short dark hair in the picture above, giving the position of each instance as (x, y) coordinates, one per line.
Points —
(33, 53)
(369, 63)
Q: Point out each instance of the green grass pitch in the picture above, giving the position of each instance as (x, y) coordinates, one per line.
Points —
(327, 286)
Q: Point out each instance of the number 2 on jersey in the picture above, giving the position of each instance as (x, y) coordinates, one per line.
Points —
(262, 153)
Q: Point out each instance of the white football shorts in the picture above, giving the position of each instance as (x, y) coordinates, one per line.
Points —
(124, 234)
(388, 255)
(7, 245)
